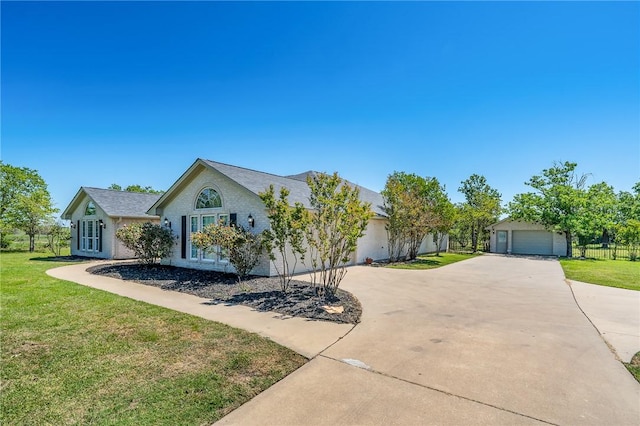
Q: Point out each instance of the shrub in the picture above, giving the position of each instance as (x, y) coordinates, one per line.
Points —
(148, 241)
(241, 246)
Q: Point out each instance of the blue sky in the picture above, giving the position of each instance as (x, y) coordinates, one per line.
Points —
(132, 93)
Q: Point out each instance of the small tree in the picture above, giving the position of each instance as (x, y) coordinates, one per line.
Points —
(243, 248)
(285, 234)
(337, 221)
(58, 236)
(149, 242)
(629, 234)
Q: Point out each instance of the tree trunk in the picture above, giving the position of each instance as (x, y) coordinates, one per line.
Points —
(569, 245)
(32, 243)
(474, 239)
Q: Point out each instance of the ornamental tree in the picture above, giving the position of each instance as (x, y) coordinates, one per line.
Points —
(149, 242)
(337, 220)
(285, 235)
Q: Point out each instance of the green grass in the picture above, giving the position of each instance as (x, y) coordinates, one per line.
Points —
(634, 366)
(430, 261)
(76, 355)
(611, 273)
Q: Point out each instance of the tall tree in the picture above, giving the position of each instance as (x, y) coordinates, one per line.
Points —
(285, 235)
(135, 188)
(558, 202)
(410, 204)
(337, 220)
(481, 207)
(25, 202)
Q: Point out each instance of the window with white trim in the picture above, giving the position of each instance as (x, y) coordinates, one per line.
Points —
(212, 254)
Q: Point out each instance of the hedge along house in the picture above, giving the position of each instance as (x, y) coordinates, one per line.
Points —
(210, 192)
(514, 237)
(96, 214)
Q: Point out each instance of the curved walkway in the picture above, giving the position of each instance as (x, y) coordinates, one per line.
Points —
(307, 337)
(491, 340)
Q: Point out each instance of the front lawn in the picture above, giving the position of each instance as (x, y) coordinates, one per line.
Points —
(611, 273)
(76, 355)
(430, 261)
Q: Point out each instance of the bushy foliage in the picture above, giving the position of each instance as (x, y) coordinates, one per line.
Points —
(481, 208)
(337, 220)
(149, 242)
(241, 246)
(415, 206)
(25, 202)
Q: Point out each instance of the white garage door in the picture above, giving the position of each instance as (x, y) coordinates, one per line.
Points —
(532, 242)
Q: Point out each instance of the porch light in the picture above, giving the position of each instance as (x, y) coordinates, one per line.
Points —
(72, 225)
(102, 224)
(167, 223)
(251, 221)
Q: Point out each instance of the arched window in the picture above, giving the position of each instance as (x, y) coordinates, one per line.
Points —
(208, 199)
(90, 210)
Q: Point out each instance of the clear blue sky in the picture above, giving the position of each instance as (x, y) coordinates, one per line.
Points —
(132, 93)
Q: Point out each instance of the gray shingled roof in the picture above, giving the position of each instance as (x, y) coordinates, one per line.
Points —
(257, 182)
(122, 203)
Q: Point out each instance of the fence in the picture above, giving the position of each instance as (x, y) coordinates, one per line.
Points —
(457, 247)
(606, 251)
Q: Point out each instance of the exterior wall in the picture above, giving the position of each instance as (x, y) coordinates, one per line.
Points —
(112, 248)
(107, 233)
(117, 247)
(235, 199)
(373, 243)
(428, 246)
(559, 241)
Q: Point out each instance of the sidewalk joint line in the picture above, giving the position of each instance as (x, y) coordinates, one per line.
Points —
(441, 391)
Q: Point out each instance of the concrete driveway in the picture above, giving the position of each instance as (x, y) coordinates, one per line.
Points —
(492, 340)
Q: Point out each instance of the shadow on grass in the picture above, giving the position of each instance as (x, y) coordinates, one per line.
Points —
(61, 259)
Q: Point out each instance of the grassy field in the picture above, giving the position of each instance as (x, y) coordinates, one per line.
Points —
(611, 273)
(76, 355)
(430, 261)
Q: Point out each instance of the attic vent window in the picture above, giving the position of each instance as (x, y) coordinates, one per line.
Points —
(91, 209)
(208, 199)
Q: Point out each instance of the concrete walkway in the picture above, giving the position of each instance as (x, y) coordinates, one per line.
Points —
(307, 337)
(615, 312)
(492, 340)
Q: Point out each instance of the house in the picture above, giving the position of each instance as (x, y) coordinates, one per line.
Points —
(211, 192)
(96, 214)
(515, 237)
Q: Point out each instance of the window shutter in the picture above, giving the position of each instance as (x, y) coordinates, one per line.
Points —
(99, 238)
(233, 219)
(78, 235)
(183, 240)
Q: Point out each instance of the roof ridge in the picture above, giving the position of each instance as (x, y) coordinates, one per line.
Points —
(248, 169)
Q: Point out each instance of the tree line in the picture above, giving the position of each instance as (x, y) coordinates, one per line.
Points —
(326, 235)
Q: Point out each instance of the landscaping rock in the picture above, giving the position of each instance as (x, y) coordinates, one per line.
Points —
(261, 293)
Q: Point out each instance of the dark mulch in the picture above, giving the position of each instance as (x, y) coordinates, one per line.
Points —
(261, 293)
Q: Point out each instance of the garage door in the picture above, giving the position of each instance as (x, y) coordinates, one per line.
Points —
(532, 242)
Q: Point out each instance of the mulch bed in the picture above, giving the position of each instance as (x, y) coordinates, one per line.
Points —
(260, 293)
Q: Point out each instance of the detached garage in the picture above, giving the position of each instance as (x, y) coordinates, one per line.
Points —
(513, 237)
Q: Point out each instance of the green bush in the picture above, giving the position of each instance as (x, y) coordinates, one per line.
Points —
(148, 241)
